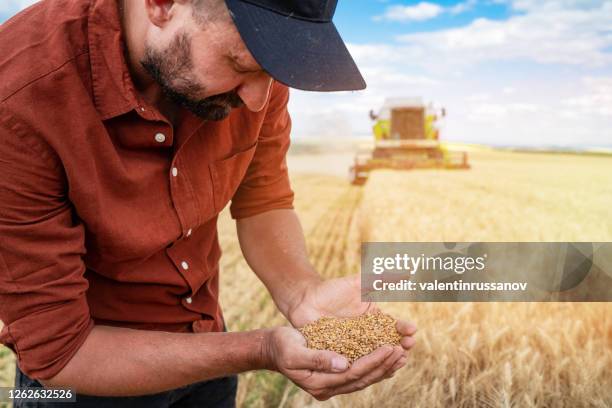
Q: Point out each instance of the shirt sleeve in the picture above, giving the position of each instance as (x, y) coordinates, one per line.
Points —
(266, 184)
(42, 289)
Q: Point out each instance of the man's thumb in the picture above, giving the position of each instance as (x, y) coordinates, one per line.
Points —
(325, 361)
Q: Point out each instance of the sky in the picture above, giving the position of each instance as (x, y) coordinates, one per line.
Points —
(527, 73)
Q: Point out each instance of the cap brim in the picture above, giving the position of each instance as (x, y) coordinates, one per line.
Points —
(298, 53)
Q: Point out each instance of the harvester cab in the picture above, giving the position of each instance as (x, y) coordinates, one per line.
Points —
(406, 136)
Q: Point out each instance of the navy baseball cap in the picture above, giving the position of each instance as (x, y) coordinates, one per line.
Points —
(296, 42)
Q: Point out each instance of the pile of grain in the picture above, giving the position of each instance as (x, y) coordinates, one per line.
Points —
(352, 337)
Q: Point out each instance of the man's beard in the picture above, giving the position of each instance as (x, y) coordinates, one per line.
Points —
(172, 70)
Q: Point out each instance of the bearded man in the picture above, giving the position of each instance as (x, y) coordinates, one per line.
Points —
(125, 128)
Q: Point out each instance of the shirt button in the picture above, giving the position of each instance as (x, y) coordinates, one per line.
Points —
(160, 138)
(184, 265)
(189, 232)
(174, 172)
(188, 300)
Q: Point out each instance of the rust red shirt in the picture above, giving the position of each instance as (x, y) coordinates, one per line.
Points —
(107, 211)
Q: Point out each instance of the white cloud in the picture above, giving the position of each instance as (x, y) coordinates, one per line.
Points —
(486, 112)
(546, 33)
(596, 100)
(462, 7)
(422, 11)
(551, 5)
(478, 97)
(419, 12)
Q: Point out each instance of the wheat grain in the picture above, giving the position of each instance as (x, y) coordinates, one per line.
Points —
(352, 337)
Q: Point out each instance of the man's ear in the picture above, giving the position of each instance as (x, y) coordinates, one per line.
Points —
(158, 11)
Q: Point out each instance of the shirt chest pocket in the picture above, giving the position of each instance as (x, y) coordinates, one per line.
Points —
(227, 174)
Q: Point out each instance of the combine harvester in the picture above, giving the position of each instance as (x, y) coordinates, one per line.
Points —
(406, 137)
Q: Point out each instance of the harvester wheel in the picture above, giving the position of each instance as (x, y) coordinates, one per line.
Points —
(357, 176)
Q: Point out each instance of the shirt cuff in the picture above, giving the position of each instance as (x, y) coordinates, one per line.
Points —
(250, 201)
(44, 349)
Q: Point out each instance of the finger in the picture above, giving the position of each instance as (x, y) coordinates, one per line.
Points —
(400, 353)
(405, 328)
(370, 362)
(374, 376)
(318, 360)
(357, 370)
(382, 370)
(399, 364)
(407, 342)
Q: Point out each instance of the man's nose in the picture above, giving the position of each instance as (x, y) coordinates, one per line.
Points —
(254, 92)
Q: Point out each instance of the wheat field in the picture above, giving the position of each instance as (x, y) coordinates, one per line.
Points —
(467, 354)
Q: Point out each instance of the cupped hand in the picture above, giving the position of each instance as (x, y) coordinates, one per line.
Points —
(341, 297)
(324, 373)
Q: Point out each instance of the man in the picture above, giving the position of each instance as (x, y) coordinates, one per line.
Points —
(125, 128)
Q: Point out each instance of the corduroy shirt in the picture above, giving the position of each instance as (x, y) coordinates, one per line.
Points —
(108, 211)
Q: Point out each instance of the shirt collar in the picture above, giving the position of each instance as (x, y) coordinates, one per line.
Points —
(113, 89)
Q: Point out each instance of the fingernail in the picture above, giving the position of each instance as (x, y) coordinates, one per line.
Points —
(339, 364)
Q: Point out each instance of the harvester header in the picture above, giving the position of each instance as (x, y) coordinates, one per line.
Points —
(407, 136)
